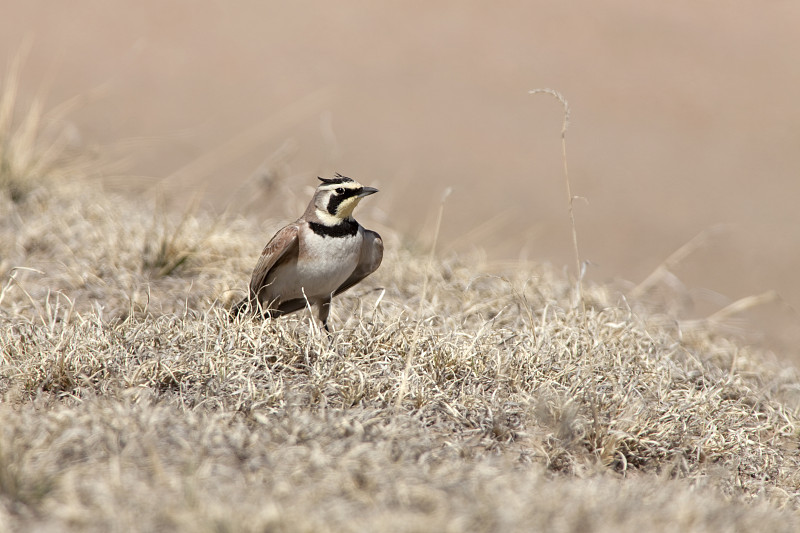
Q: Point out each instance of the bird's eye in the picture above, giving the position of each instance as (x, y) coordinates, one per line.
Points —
(339, 190)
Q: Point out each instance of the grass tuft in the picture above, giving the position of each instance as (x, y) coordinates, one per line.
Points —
(170, 245)
(34, 148)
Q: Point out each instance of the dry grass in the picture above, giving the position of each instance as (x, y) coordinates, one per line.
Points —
(132, 403)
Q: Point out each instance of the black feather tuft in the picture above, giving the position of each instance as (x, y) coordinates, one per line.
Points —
(338, 178)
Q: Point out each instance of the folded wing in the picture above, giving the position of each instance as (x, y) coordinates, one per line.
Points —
(369, 260)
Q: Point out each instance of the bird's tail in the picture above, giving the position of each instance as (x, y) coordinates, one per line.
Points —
(243, 307)
(251, 307)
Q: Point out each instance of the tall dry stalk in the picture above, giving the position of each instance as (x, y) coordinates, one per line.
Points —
(570, 198)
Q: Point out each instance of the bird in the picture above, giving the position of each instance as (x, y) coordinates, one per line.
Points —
(321, 255)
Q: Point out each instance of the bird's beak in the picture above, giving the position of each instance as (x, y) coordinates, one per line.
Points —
(366, 191)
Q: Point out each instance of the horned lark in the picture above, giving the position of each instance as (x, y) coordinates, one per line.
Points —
(322, 254)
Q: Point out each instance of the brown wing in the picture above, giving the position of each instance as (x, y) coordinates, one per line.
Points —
(282, 245)
(370, 260)
(284, 242)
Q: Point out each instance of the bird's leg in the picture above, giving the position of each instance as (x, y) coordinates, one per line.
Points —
(324, 311)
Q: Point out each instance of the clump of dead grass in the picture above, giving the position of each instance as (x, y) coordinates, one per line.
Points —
(35, 147)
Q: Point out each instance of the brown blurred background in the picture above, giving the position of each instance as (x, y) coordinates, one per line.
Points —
(685, 116)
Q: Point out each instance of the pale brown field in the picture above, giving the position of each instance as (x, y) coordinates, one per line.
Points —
(453, 396)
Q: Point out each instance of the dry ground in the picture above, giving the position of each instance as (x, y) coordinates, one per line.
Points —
(450, 397)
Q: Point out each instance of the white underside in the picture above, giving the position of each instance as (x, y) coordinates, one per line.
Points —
(324, 263)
